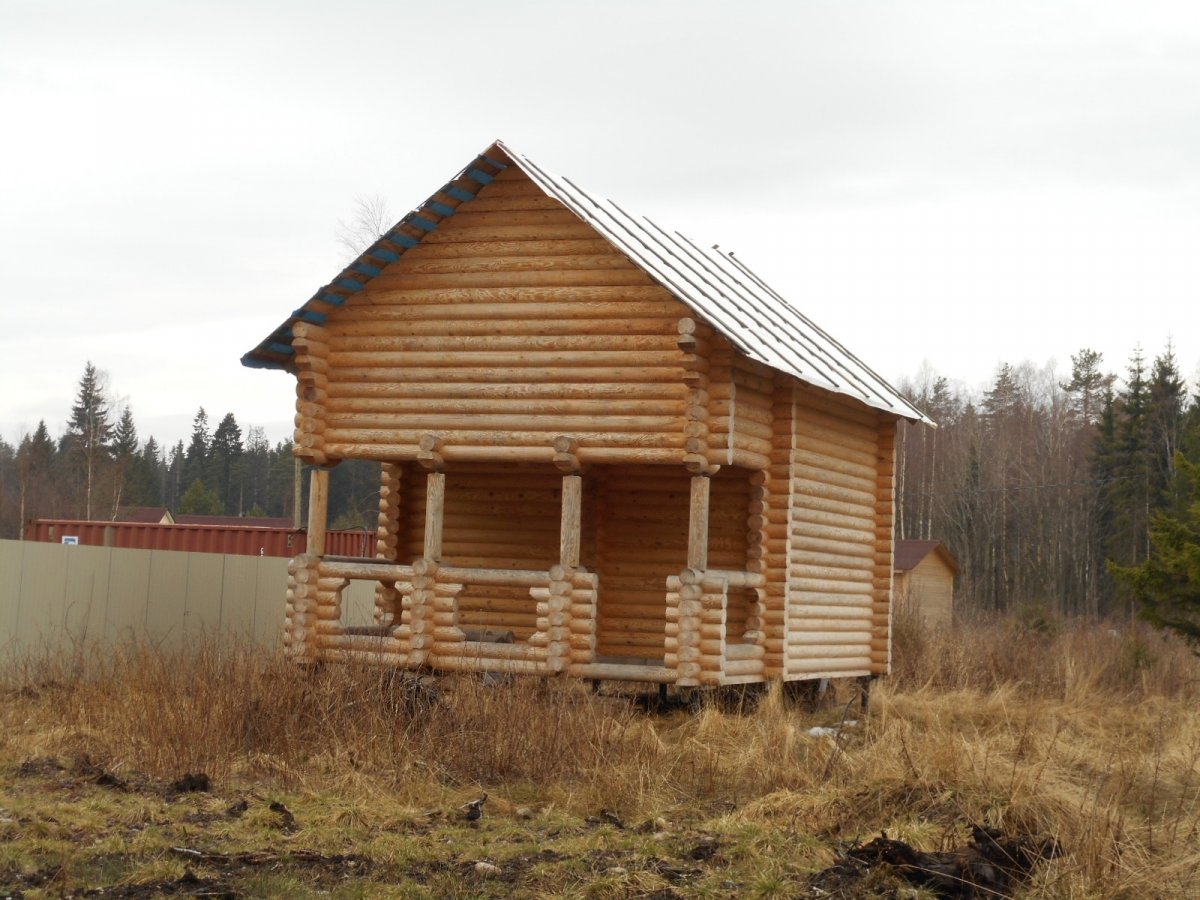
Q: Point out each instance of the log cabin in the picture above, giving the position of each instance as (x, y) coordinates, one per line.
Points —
(606, 450)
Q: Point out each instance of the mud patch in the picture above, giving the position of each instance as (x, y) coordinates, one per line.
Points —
(992, 865)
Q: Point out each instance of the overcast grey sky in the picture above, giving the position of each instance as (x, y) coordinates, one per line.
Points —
(948, 182)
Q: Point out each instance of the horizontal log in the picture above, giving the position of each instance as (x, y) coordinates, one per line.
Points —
(669, 409)
(497, 605)
(810, 494)
(742, 457)
(622, 672)
(481, 664)
(741, 668)
(499, 264)
(610, 626)
(536, 232)
(378, 329)
(735, 651)
(495, 577)
(409, 421)
(814, 452)
(540, 440)
(547, 311)
(810, 543)
(521, 371)
(850, 641)
(614, 644)
(513, 203)
(363, 657)
(468, 216)
(508, 186)
(827, 619)
(483, 452)
(852, 653)
(804, 526)
(861, 444)
(565, 391)
(861, 489)
(391, 346)
(596, 357)
(498, 651)
(813, 574)
(827, 406)
(371, 643)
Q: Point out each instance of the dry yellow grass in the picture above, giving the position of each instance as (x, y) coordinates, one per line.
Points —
(1086, 733)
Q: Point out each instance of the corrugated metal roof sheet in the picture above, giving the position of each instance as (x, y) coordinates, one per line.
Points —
(717, 286)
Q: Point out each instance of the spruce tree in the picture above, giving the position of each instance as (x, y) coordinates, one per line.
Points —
(35, 473)
(225, 460)
(1167, 584)
(1166, 396)
(196, 460)
(89, 430)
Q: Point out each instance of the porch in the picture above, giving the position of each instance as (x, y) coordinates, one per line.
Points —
(631, 596)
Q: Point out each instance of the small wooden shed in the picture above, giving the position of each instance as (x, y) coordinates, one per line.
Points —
(607, 450)
(925, 573)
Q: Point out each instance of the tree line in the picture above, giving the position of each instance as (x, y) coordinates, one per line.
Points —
(1042, 482)
(99, 466)
(1036, 484)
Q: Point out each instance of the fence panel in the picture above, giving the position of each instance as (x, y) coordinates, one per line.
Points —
(56, 597)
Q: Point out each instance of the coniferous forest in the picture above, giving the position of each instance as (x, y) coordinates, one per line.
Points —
(101, 464)
(1036, 483)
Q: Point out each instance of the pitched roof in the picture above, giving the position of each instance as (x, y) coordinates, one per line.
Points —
(715, 285)
(235, 521)
(908, 555)
(143, 514)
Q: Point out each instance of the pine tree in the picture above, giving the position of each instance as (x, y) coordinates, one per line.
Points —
(89, 430)
(1088, 385)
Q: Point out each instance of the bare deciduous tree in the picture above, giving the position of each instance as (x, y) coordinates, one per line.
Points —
(368, 224)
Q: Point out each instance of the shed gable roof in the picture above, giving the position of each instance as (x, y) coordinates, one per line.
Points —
(717, 286)
(909, 554)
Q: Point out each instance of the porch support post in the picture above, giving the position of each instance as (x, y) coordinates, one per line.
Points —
(570, 606)
(697, 557)
(435, 504)
(572, 520)
(318, 510)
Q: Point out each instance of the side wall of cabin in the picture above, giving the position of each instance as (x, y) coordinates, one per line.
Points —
(839, 537)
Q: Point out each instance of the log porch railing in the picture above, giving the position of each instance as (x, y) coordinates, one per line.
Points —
(698, 649)
(421, 625)
(424, 629)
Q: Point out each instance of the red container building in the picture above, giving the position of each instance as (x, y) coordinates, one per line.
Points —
(238, 540)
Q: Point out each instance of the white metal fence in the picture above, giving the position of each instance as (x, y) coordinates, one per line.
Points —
(54, 596)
